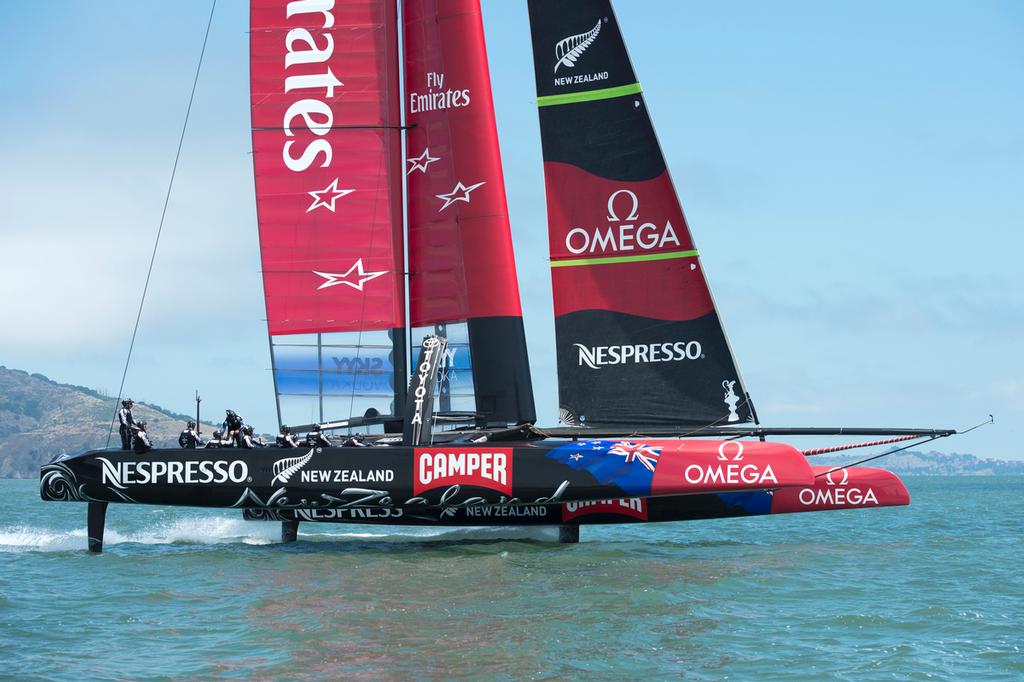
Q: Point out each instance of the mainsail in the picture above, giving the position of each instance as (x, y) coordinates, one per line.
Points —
(326, 120)
(462, 276)
(639, 342)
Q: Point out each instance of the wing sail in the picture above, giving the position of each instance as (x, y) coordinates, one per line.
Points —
(327, 154)
(462, 279)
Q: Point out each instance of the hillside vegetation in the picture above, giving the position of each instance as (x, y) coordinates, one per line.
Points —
(40, 419)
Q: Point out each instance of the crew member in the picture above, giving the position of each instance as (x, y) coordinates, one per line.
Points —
(232, 426)
(142, 444)
(127, 423)
(317, 438)
(285, 439)
(250, 441)
(190, 438)
(217, 441)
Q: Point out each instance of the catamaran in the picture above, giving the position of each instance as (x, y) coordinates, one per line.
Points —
(383, 227)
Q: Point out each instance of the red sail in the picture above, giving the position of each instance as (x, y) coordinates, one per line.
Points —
(461, 263)
(327, 157)
(460, 245)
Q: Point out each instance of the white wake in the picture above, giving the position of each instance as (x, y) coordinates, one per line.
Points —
(215, 530)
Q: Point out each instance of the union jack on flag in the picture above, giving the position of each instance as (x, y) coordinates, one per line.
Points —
(637, 452)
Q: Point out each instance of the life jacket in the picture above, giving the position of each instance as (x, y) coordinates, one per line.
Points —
(317, 439)
(190, 439)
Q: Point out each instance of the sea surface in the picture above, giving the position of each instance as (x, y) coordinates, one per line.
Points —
(930, 591)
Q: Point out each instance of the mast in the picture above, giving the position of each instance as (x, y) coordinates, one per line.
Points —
(639, 341)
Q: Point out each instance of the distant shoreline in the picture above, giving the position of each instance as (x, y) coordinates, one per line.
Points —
(913, 463)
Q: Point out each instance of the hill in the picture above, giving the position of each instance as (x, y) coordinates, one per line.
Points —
(40, 418)
(911, 463)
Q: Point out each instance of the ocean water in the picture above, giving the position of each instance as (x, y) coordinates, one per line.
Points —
(930, 591)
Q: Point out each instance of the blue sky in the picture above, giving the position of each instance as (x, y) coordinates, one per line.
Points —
(852, 174)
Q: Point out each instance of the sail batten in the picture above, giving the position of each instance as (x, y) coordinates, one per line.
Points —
(638, 338)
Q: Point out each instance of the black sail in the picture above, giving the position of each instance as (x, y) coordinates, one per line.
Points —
(639, 341)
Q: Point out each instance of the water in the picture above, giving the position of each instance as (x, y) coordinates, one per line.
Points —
(933, 591)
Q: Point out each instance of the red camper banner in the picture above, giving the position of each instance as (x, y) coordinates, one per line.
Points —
(327, 157)
(460, 247)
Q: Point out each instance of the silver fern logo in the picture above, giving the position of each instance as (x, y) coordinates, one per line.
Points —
(570, 49)
(285, 468)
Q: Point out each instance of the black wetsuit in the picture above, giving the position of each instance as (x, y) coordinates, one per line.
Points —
(286, 440)
(127, 421)
(142, 444)
(233, 425)
(248, 442)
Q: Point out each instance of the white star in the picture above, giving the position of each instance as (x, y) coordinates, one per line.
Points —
(460, 193)
(575, 456)
(360, 275)
(331, 189)
(421, 162)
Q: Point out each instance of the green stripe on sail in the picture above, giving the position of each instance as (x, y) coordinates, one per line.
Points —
(623, 259)
(589, 95)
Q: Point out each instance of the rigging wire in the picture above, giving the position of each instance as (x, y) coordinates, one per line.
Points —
(990, 420)
(163, 214)
(853, 446)
(884, 454)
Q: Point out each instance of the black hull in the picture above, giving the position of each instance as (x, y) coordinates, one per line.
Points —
(450, 475)
(328, 478)
(554, 483)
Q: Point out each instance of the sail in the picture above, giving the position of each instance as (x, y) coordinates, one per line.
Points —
(326, 131)
(639, 341)
(462, 275)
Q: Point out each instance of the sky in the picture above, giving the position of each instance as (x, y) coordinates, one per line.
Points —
(853, 175)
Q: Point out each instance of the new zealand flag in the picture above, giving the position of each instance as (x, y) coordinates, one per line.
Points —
(627, 464)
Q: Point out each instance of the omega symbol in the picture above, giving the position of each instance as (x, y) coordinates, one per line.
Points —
(634, 211)
(738, 457)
